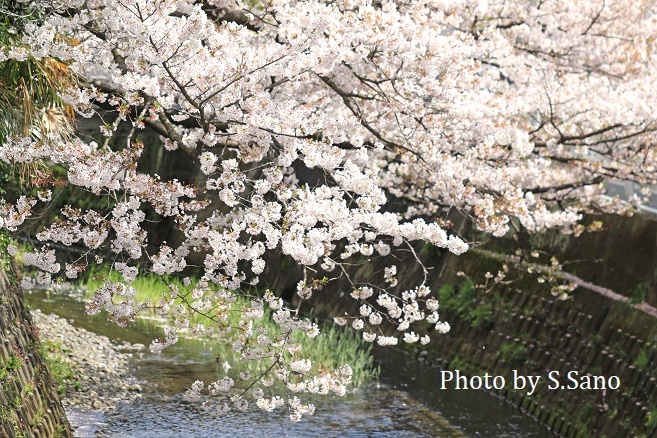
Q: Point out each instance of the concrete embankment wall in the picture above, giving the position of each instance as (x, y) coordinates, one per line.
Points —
(535, 334)
(519, 325)
(29, 404)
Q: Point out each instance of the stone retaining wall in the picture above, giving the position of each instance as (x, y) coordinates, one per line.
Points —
(29, 404)
(521, 326)
(534, 334)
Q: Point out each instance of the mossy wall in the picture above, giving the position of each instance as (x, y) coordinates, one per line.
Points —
(29, 404)
(534, 334)
(521, 326)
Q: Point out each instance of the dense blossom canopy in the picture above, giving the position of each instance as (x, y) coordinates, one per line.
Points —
(500, 109)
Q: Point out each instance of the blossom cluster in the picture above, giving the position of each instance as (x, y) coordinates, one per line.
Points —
(333, 133)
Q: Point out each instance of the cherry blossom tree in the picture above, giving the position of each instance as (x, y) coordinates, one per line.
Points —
(502, 110)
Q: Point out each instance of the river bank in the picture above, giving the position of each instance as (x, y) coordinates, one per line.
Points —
(101, 377)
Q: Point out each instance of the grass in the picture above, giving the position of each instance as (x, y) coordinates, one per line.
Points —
(333, 347)
(337, 346)
(60, 369)
(149, 286)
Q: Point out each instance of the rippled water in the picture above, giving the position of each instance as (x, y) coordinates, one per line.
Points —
(368, 413)
(406, 402)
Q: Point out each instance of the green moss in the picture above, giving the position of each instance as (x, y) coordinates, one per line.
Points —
(5, 241)
(638, 294)
(651, 421)
(15, 403)
(641, 361)
(459, 364)
(467, 303)
(13, 363)
(38, 418)
(481, 316)
(60, 369)
(512, 353)
(28, 389)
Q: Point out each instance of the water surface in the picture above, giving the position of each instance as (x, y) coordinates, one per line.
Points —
(406, 402)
